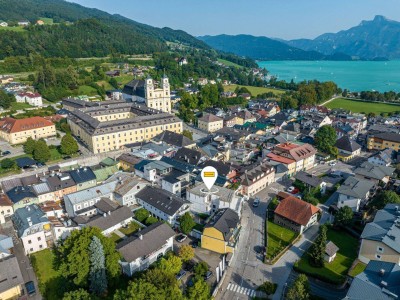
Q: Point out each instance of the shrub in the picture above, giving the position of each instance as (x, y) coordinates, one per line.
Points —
(268, 287)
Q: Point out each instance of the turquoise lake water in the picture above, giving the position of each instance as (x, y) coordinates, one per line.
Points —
(353, 75)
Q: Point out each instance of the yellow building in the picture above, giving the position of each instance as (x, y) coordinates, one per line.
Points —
(210, 123)
(384, 140)
(109, 127)
(221, 234)
(18, 131)
(10, 278)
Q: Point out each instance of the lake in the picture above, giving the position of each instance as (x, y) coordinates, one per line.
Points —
(352, 75)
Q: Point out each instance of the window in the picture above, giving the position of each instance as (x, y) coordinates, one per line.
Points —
(39, 238)
(380, 249)
(31, 250)
(29, 242)
(40, 246)
(378, 256)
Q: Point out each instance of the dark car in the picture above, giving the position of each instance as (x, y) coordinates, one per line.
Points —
(180, 274)
(208, 275)
(30, 288)
(190, 282)
(194, 244)
(66, 157)
(6, 153)
(190, 266)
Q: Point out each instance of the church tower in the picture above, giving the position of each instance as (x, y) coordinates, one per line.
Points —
(158, 98)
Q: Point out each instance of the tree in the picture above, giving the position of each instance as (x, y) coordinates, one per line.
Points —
(325, 139)
(97, 274)
(140, 290)
(317, 251)
(186, 252)
(151, 220)
(7, 163)
(165, 282)
(200, 269)
(114, 83)
(384, 198)
(199, 291)
(170, 265)
(79, 294)
(29, 145)
(300, 290)
(186, 223)
(41, 153)
(73, 256)
(68, 145)
(188, 134)
(344, 216)
(141, 214)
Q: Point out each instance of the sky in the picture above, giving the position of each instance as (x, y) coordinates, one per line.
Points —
(286, 19)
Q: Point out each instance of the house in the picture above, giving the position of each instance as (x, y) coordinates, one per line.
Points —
(379, 280)
(383, 157)
(347, 148)
(33, 228)
(204, 202)
(225, 170)
(6, 246)
(353, 192)
(375, 173)
(296, 214)
(144, 248)
(152, 171)
(23, 23)
(39, 22)
(174, 139)
(6, 208)
(84, 178)
(61, 184)
(162, 204)
(311, 181)
(380, 239)
(17, 131)
(34, 99)
(381, 141)
(210, 123)
(176, 182)
(232, 120)
(3, 23)
(190, 156)
(22, 196)
(113, 73)
(314, 120)
(128, 161)
(330, 251)
(11, 280)
(246, 116)
(182, 61)
(256, 178)
(222, 231)
(202, 81)
(126, 190)
(43, 192)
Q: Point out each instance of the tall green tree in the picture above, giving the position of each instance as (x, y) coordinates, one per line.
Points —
(317, 251)
(6, 99)
(199, 291)
(344, 216)
(186, 223)
(171, 265)
(300, 290)
(384, 198)
(69, 145)
(325, 139)
(97, 274)
(29, 145)
(141, 214)
(79, 294)
(186, 252)
(41, 153)
(7, 163)
(140, 290)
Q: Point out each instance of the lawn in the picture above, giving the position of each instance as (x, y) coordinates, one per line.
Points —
(229, 63)
(19, 105)
(105, 84)
(47, 21)
(358, 268)
(87, 90)
(278, 238)
(254, 90)
(132, 228)
(49, 279)
(363, 107)
(336, 271)
(123, 79)
(16, 28)
(115, 238)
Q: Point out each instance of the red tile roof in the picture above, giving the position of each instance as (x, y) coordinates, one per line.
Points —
(5, 201)
(296, 210)
(11, 125)
(280, 159)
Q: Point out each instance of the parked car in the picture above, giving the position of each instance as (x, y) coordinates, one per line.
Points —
(189, 267)
(6, 152)
(30, 288)
(290, 189)
(208, 275)
(66, 157)
(180, 238)
(190, 282)
(256, 202)
(180, 274)
(332, 163)
(195, 244)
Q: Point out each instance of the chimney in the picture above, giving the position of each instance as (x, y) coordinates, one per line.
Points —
(109, 212)
(382, 272)
(29, 221)
(104, 215)
(141, 237)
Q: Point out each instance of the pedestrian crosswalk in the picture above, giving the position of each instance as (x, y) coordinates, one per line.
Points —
(242, 290)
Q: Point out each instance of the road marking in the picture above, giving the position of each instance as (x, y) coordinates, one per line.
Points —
(252, 293)
(229, 286)
(241, 290)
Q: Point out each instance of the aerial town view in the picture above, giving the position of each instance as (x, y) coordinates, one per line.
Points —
(198, 150)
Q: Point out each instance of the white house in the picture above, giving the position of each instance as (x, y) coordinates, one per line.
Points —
(3, 24)
(127, 189)
(34, 99)
(353, 192)
(6, 208)
(144, 248)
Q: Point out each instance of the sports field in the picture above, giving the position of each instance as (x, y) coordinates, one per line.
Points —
(363, 107)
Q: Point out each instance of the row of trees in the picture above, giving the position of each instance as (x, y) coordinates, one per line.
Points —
(6, 99)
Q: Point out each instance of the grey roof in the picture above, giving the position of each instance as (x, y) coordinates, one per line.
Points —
(41, 188)
(83, 174)
(346, 144)
(60, 181)
(6, 243)
(10, 184)
(134, 87)
(110, 219)
(386, 155)
(369, 283)
(224, 194)
(225, 221)
(21, 216)
(129, 158)
(10, 273)
(331, 248)
(370, 170)
(308, 179)
(355, 187)
(189, 156)
(254, 172)
(94, 192)
(153, 238)
(106, 205)
(161, 200)
(173, 138)
(173, 176)
(30, 180)
(222, 168)
(126, 185)
(389, 136)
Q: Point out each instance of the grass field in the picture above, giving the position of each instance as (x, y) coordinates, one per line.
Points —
(334, 272)
(17, 106)
(47, 21)
(105, 85)
(254, 90)
(87, 90)
(229, 63)
(132, 228)
(124, 79)
(16, 28)
(358, 268)
(278, 238)
(363, 107)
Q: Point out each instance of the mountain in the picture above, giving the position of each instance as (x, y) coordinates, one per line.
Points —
(263, 48)
(379, 38)
(81, 32)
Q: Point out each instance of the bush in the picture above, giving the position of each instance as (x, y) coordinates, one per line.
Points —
(151, 220)
(273, 203)
(268, 287)
(7, 163)
(142, 214)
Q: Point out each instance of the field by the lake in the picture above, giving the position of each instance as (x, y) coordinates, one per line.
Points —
(363, 107)
(254, 90)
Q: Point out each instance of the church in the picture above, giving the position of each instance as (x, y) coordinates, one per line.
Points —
(146, 91)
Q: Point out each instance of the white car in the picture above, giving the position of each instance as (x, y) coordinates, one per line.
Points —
(332, 163)
(290, 189)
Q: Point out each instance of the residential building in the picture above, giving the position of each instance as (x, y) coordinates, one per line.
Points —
(222, 231)
(17, 131)
(354, 192)
(347, 148)
(84, 178)
(380, 239)
(128, 161)
(43, 192)
(6, 245)
(6, 208)
(176, 182)
(381, 141)
(256, 178)
(23, 23)
(162, 204)
(3, 23)
(126, 190)
(311, 181)
(33, 228)
(141, 250)
(11, 280)
(189, 156)
(379, 280)
(152, 171)
(174, 139)
(246, 116)
(383, 158)
(210, 123)
(296, 214)
(330, 251)
(34, 99)
(205, 202)
(61, 184)
(373, 172)
(110, 127)
(22, 196)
